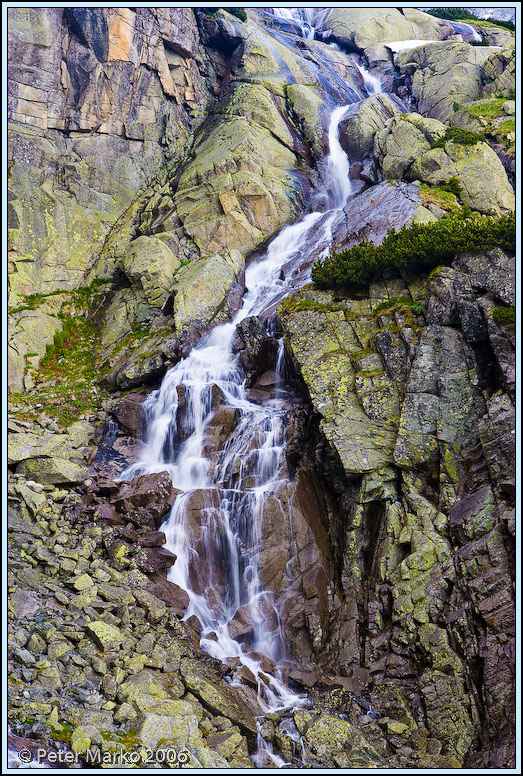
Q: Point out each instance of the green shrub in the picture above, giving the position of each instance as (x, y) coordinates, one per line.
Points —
(459, 135)
(238, 12)
(417, 247)
(452, 14)
(505, 316)
(464, 15)
(453, 186)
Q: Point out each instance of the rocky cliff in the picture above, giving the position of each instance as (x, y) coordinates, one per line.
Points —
(153, 155)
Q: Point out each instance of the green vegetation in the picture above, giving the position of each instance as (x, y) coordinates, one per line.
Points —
(507, 24)
(67, 378)
(84, 295)
(399, 304)
(487, 109)
(238, 12)
(505, 316)
(459, 135)
(464, 15)
(504, 128)
(416, 247)
(292, 305)
(444, 196)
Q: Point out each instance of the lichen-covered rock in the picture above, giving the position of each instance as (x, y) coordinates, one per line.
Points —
(105, 636)
(127, 79)
(484, 183)
(52, 471)
(388, 205)
(364, 27)
(307, 107)
(30, 445)
(402, 140)
(499, 72)
(498, 36)
(150, 264)
(357, 131)
(207, 290)
(445, 496)
(325, 346)
(442, 74)
(403, 149)
(222, 699)
(30, 332)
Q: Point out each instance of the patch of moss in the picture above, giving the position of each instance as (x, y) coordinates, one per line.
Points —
(505, 128)
(292, 305)
(358, 354)
(440, 196)
(459, 135)
(67, 378)
(369, 373)
(487, 109)
(505, 316)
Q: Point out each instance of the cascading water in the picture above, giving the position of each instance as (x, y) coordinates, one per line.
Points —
(372, 82)
(303, 17)
(218, 559)
(467, 31)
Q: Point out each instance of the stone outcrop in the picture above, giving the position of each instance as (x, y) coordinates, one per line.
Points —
(365, 27)
(357, 131)
(443, 75)
(153, 153)
(424, 429)
(403, 150)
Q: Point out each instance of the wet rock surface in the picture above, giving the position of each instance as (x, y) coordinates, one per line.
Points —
(156, 149)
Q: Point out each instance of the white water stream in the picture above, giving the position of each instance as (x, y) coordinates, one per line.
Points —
(215, 526)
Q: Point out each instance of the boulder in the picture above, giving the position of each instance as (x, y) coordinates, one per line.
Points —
(403, 150)
(444, 74)
(151, 559)
(498, 36)
(499, 73)
(29, 334)
(483, 179)
(402, 140)
(364, 119)
(153, 493)
(128, 411)
(218, 697)
(104, 635)
(364, 27)
(23, 446)
(389, 205)
(52, 471)
(208, 290)
(151, 265)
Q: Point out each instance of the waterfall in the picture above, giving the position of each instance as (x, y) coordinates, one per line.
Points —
(302, 17)
(215, 525)
(223, 574)
(372, 82)
(467, 32)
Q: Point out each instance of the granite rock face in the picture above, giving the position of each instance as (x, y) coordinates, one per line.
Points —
(153, 151)
(403, 149)
(445, 74)
(365, 27)
(422, 423)
(174, 126)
